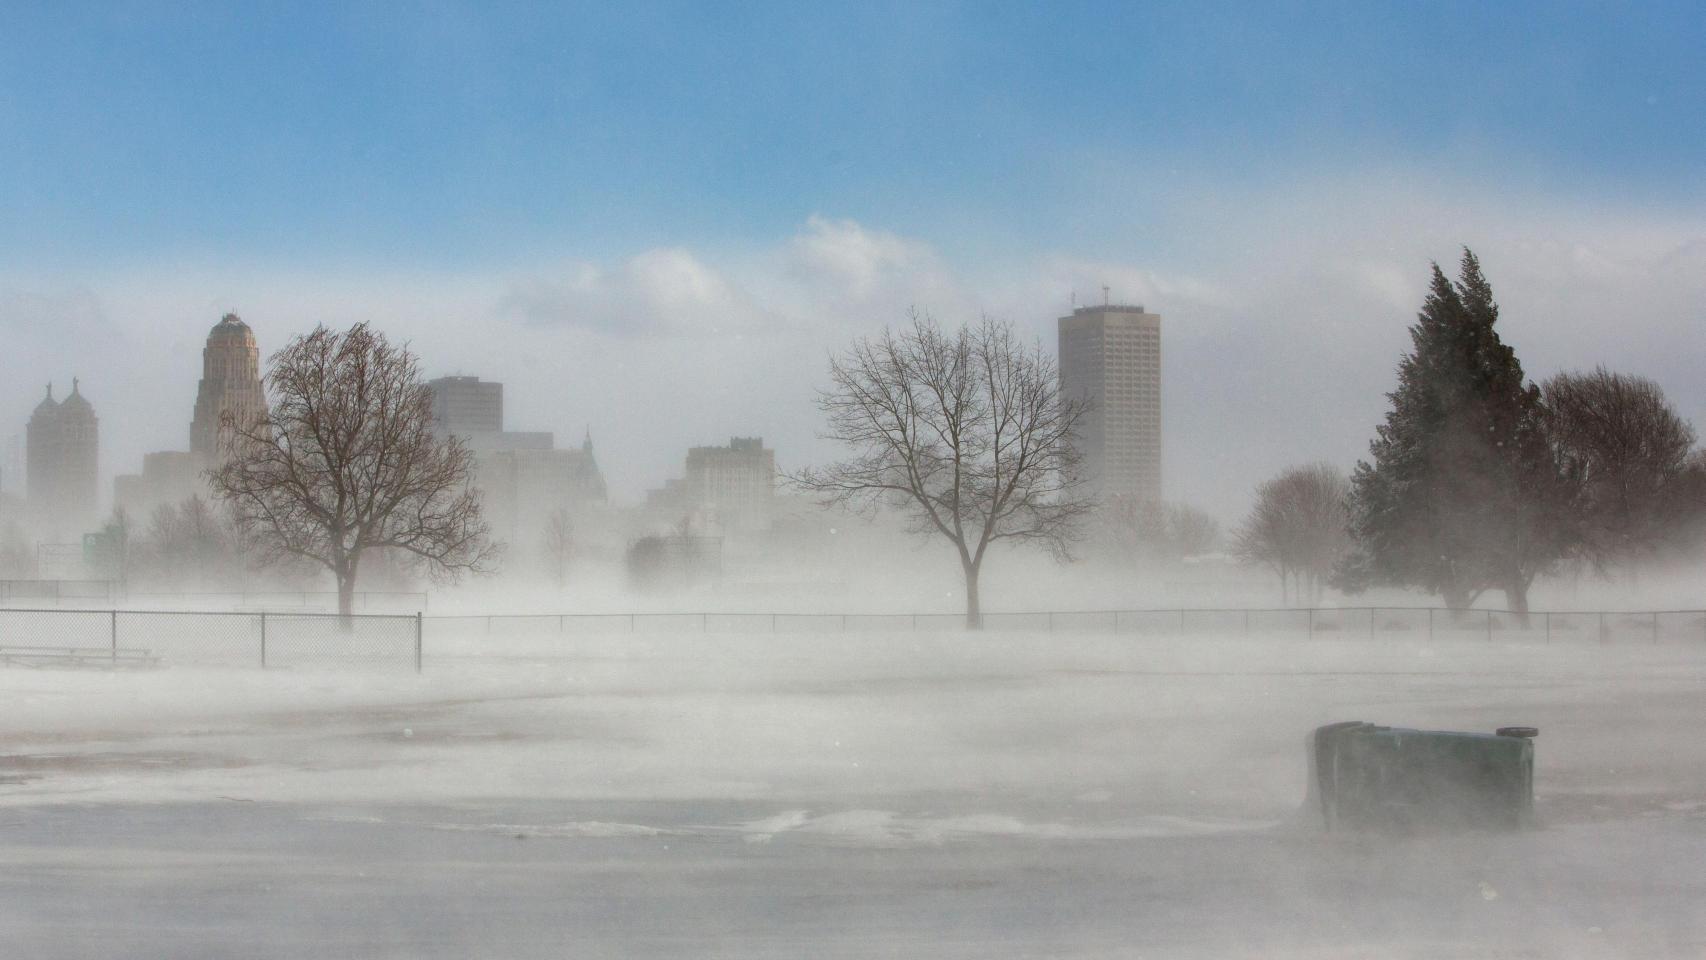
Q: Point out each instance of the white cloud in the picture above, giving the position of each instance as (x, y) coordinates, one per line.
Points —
(858, 260)
(665, 290)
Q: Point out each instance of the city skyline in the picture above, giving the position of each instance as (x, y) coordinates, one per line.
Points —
(671, 255)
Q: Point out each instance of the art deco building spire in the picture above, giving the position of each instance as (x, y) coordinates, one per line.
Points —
(230, 383)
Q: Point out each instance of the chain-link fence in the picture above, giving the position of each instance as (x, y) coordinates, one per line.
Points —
(44, 593)
(1342, 623)
(154, 637)
(300, 639)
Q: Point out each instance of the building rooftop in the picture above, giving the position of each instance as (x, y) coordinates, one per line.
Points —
(48, 404)
(76, 404)
(230, 325)
(1110, 308)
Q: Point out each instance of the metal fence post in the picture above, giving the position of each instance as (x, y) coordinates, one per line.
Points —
(1371, 623)
(418, 619)
(1311, 623)
(263, 639)
(1430, 624)
(1548, 626)
(115, 636)
(1489, 626)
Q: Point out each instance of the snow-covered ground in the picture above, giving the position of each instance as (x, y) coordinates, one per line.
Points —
(907, 795)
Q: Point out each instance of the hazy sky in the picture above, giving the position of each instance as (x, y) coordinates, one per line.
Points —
(656, 220)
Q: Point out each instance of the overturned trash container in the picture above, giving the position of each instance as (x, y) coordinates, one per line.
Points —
(1396, 780)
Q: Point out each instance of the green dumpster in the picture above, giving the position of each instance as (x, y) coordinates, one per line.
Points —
(1398, 780)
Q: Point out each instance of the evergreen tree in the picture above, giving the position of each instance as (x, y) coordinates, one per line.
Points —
(1464, 493)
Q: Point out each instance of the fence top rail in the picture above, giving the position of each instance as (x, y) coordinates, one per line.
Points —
(270, 593)
(269, 614)
(1175, 611)
(779, 614)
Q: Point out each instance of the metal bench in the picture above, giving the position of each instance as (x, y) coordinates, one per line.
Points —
(78, 656)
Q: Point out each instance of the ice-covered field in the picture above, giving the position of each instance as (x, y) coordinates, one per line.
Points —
(828, 795)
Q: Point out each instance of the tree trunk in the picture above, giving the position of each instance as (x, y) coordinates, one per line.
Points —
(1456, 600)
(346, 593)
(346, 602)
(974, 611)
(1516, 597)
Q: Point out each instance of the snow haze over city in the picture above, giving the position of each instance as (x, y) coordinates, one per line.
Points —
(749, 481)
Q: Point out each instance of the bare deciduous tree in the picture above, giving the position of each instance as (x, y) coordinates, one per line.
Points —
(1627, 451)
(1299, 528)
(17, 558)
(190, 544)
(1158, 533)
(559, 544)
(345, 462)
(966, 430)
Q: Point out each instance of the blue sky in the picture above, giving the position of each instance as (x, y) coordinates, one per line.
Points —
(658, 219)
(448, 134)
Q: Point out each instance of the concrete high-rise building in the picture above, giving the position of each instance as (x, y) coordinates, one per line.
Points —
(523, 485)
(230, 384)
(522, 474)
(729, 488)
(167, 477)
(1111, 356)
(62, 447)
(473, 409)
(466, 406)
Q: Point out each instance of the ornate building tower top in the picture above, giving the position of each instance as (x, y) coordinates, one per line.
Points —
(230, 383)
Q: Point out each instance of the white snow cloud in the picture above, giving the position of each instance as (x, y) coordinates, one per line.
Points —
(662, 291)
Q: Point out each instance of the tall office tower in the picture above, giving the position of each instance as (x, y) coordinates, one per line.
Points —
(467, 407)
(1111, 356)
(62, 449)
(230, 383)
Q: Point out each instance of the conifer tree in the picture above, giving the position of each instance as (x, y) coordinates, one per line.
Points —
(1463, 493)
